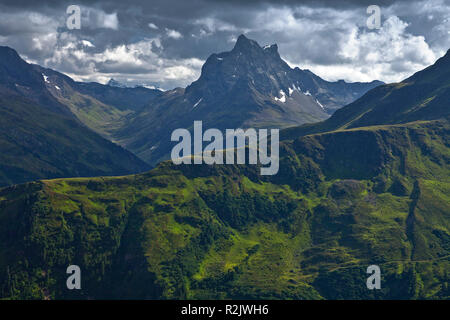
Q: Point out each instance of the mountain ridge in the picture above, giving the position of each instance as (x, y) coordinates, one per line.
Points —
(423, 96)
(249, 86)
(41, 138)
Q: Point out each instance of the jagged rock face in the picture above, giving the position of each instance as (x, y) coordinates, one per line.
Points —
(261, 69)
(261, 79)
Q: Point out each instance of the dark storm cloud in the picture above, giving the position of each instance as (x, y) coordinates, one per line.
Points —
(171, 5)
(164, 42)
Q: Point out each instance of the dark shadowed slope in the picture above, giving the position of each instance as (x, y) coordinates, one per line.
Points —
(40, 137)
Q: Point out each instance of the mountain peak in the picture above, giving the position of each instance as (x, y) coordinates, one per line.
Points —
(243, 43)
(242, 38)
(247, 63)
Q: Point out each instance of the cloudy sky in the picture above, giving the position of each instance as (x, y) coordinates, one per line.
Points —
(165, 42)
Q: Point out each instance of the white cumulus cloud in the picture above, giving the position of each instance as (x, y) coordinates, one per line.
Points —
(173, 34)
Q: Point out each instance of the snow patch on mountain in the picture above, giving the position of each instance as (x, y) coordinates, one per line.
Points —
(197, 103)
(320, 104)
(282, 98)
(291, 90)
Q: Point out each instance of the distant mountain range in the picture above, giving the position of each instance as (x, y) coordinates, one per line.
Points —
(57, 127)
(368, 186)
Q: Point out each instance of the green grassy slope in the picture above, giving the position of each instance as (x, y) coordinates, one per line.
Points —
(342, 201)
(97, 116)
